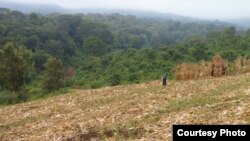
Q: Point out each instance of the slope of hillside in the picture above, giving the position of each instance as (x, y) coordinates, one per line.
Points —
(134, 112)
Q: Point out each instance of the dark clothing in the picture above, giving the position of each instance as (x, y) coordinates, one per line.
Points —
(164, 80)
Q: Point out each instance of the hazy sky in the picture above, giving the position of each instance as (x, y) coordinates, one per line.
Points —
(221, 9)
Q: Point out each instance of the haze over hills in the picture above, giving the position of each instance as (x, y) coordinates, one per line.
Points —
(53, 8)
(49, 8)
(244, 22)
(32, 8)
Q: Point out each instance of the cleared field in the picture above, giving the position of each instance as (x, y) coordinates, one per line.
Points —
(133, 112)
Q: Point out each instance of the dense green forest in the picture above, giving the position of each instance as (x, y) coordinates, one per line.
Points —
(41, 54)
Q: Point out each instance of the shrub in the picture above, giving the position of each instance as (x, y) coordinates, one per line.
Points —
(53, 75)
(115, 79)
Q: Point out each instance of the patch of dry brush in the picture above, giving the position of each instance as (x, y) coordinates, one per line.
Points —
(242, 65)
(217, 67)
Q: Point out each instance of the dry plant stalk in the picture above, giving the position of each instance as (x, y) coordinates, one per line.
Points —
(248, 65)
(242, 65)
(237, 65)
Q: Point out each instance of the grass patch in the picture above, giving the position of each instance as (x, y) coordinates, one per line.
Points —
(7, 98)
(177, 105)
(117, 131)
(202, 99)
(248, 117)
(146, 90)
(19, 123)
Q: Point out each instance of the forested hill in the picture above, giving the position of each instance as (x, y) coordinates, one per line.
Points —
(89, 51)
(127, 31)
(130, 31)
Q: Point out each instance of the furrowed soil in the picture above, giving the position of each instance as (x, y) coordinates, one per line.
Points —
(133, 112)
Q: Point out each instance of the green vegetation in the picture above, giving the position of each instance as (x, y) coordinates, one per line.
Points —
(53, 74)
(94, 50)
(14, 67)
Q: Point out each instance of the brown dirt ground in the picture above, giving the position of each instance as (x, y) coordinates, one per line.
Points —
(133, 112)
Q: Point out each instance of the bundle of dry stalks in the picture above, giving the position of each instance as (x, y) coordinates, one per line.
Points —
(242, 65)
(186, 71)
(205, 69)
(217, 67)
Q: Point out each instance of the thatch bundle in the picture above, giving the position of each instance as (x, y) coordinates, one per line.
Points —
(219, 66)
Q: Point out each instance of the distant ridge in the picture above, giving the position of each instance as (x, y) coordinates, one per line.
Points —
(32, 8)
(53, 8)
(244, 22)
(50, 8)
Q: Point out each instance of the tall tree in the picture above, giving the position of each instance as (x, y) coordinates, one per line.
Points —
(14, 67)
(53, 74)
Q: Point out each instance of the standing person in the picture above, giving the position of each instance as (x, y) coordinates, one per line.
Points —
(164, 80)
